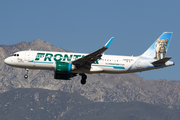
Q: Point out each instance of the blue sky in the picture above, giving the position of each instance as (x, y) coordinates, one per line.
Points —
(86, 25)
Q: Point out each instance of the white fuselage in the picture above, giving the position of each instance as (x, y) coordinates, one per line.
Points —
(46, 60)
(67, 65)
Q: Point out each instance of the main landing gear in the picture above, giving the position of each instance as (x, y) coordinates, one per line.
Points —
(83, 79)
(26, 75)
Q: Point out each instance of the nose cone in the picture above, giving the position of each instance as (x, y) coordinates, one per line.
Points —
(7, 61)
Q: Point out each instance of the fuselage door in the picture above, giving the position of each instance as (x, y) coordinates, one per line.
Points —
(27, 55)
(138, 63)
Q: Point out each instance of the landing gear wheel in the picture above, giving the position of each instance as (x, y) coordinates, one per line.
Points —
(26, 76)
(83, 80)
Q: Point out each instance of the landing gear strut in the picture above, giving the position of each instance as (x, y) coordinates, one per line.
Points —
(26, 75)
(83, 80)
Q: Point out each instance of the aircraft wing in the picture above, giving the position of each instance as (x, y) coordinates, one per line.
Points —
(87, 60)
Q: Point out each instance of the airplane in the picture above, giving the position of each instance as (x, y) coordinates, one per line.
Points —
(67, 65)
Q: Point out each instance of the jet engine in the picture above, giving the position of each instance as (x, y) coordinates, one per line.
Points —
(63, 70)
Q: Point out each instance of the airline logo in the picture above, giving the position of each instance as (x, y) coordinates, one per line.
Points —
(58, 57)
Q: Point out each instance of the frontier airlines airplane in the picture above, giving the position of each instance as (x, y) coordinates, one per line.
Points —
(67, 65)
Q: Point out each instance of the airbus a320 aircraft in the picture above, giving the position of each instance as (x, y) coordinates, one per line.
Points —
(67, 65)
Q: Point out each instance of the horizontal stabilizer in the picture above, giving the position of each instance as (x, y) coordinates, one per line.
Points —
(161, 61)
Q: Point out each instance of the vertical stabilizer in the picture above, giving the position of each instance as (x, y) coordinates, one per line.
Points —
(159, 48)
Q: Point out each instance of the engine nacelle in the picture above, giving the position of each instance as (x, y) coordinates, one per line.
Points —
(63, 70)
(63, 76)
(64, 67)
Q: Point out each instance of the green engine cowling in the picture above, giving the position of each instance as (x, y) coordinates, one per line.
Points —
(63, 70)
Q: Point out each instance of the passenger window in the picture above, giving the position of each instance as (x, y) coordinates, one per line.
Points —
(17, 54)
(14, 54)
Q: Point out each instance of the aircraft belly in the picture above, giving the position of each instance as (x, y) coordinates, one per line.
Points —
(113, 69)
(32, 65)
(43, 66)
(96, 69)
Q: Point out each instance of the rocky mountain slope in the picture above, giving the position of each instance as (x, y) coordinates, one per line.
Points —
(41, 104)
(99, 87)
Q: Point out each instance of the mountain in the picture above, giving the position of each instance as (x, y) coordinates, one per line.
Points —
(99, 87)
(41, 104)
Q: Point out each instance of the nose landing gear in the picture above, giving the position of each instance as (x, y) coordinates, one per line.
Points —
(83, 79)
(26, 75)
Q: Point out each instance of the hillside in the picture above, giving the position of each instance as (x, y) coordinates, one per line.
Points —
(40, 104)
(99, 87)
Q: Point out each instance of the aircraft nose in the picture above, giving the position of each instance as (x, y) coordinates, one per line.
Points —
(7, 61)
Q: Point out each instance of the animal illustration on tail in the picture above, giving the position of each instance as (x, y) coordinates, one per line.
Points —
(160, 48)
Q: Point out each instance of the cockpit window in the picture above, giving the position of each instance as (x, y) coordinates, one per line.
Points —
(16, 54)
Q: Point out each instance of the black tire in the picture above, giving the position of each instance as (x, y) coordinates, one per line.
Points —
(84, 77)
(83, 81)
(25, 76)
